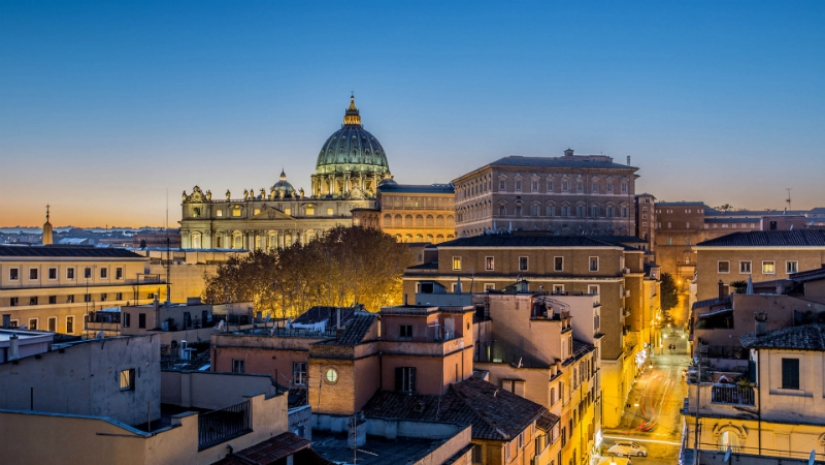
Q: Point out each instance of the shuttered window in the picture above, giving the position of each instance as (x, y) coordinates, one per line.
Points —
(405, 379)
(790, 373)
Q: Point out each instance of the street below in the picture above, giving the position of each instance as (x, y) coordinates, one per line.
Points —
(652, 417)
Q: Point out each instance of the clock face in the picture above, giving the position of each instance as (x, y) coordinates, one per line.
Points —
(332, 375)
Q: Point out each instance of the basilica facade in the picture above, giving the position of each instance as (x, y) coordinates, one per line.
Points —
(351, 166)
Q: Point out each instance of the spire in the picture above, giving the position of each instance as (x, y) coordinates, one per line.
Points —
(283, 175)
(48, 233)
(351, 116)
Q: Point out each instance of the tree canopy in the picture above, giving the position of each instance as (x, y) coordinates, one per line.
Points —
(347, 265)
(670, 293)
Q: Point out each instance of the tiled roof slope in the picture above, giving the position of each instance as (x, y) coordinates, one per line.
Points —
(513, 240)
(323, 313)
(49, 251)
(494, 413)
(355, 330)
(801, 238)
(558, 162)
(547, 421)
(268, 452)
(808, 337)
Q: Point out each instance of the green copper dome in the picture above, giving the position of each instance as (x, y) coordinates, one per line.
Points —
(352, 148)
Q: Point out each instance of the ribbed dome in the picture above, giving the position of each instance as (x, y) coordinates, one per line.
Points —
(283, 186)
(352, 148)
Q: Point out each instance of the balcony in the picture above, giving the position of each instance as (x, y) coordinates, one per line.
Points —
(732, 394)
(223, 424)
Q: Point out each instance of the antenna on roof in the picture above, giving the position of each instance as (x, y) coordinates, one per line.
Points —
(788, 200)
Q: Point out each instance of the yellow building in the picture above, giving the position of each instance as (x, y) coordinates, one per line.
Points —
(417, 213)
(52, 288)
(777, 410)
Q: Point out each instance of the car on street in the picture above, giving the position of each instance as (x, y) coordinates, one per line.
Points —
(627, 449)
(613, 461)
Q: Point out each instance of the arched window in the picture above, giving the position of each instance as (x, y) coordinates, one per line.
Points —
(419, 221)
(408, 238)
(419, 238)
(398, 223)
(237, 240)
(398, 237)
(196, 240)
(450, 219)
(408, 221)
(387, 220)
(429, 237)
(430, 220)
(439, 220)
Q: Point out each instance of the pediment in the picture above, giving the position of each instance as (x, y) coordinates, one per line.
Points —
(269, 213)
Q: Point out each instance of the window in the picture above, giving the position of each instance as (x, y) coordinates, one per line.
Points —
(69, 324)
(768, 267)
(405, 379)
(534, 210)
(33, 323)
(310, 211)
(594, 188)
(14, 274)
(521, 440)
(330, 211)
(594, 263)
(580, 186)
(624, 212)
(33, 273)
(518, 184)
(791, 266)
(52, 299)
(723, 266)
(53, 324)
(141, 320)
(558, 288)
(580, 211)
(52, 273)
(550, 211)
(594, 212)
(502, 185)
(87, 297)
(118, 273)
(669, 241)
(104, 273)
(236, 212)
(549, 186)
(489, 263)
(518, 210)
(558, 263)
(565, 186)
(32, 300)
(593, 289)
(331, 376)
(489, 286)
(127, 319)
(745, 267)
(119, 296)
(14, 301)
(610, 188)
(456, 263)
(127, 380)
(87, 273)
(790, 373)
(522, 263)
(477, 453)
(535, 186)
(219, 213)
(104, 297)
(502, 210)
(565, 211)
(238, 366)
(624, 188)
(405, 331)
(299, 373)
(69, 299)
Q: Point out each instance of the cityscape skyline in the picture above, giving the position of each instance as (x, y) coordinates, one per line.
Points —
(718, 103)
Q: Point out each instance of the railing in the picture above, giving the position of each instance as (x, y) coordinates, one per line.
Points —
(223, 424)
(732, 394)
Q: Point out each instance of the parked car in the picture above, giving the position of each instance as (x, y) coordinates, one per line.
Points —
(627, 449)
(613, 460)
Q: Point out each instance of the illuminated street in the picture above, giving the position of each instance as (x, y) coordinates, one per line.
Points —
(653, 419)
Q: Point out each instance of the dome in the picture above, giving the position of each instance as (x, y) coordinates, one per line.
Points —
(352, 148)
(389, 182)
(283, 186)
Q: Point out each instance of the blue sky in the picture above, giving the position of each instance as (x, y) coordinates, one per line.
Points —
(106, 105)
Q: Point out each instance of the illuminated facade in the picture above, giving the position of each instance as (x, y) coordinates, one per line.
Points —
(417, 213)
(350, 166)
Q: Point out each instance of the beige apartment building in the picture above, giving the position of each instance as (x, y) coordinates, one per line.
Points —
(760, 256)
(413, 213)
(53, 287)
(558, 265)
(569, 195)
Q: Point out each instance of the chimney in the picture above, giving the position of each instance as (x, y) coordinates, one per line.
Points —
(721, 289)
(14, 347)
(761, 323)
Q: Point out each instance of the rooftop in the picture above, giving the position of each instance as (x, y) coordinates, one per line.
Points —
(494, 413)
(808, 337)
(377, 450)
(799, 238)
(355, 330)
(576, 161)
(268, 452)
(58, 251)
(515, 240)
(726, 300)
(422, 189)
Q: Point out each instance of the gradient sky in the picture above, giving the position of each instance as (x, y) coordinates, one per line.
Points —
(104, 106)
